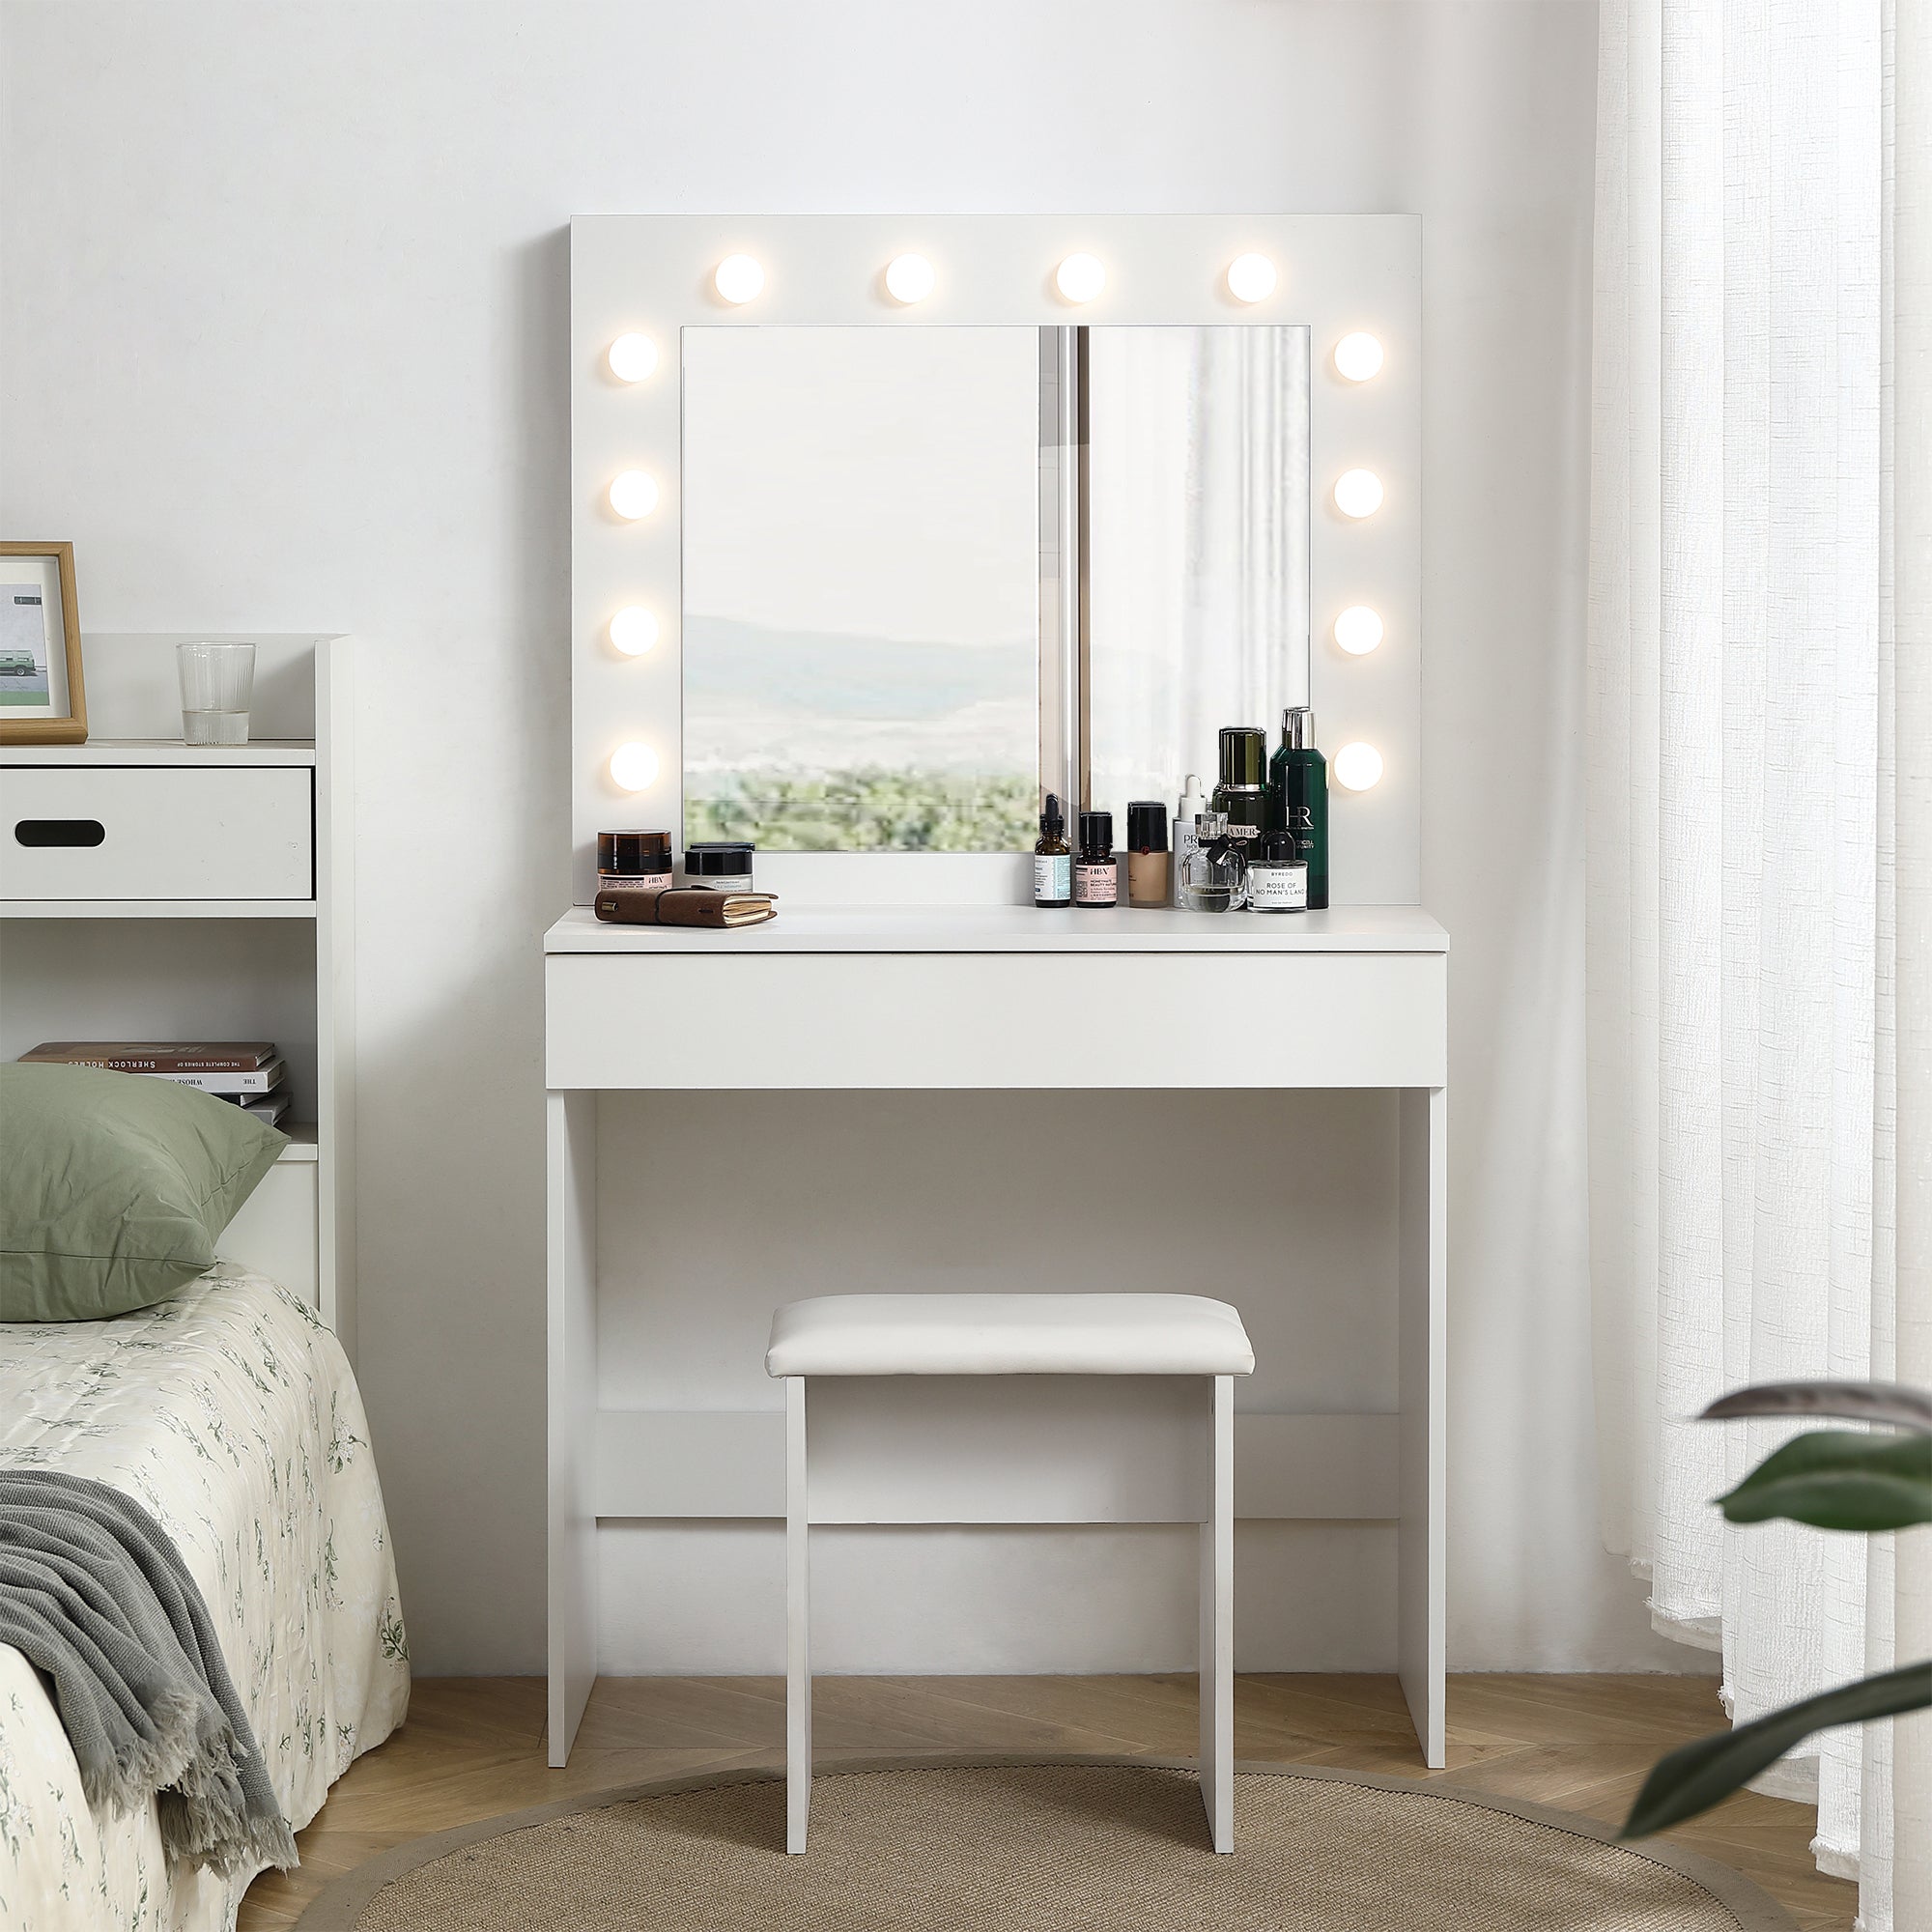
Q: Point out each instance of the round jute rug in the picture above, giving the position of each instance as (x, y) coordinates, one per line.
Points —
(1060, 1845)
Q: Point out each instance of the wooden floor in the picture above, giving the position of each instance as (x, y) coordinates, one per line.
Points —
(475, 1747)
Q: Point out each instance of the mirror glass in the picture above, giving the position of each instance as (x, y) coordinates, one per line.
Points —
(861, 587)
(931, 574)
(1196, 545)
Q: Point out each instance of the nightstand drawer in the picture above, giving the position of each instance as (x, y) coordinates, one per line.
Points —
(151, 832)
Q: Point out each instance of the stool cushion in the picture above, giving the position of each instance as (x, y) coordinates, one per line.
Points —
(1008, 1335)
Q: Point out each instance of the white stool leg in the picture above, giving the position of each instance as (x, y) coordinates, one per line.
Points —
(1217, 1623)
(798, 1606)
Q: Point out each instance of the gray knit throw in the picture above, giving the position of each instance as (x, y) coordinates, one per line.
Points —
(96, 1598)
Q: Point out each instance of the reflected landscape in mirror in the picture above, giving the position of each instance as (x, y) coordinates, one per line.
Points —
(861, 587)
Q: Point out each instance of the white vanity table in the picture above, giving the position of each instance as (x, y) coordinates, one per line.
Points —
(953, 997)
(711, 647)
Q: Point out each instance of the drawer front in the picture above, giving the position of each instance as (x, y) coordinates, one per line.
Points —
(1024, 1020)
(149, 832)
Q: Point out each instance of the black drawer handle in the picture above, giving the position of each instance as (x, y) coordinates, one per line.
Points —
(59, 832)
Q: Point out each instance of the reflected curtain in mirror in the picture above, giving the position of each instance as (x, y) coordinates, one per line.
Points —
(1196, 546)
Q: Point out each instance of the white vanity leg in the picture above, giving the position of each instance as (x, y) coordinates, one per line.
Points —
(1217, 1623)
(798, 1606)
(1421, 1539)
(570, 1187)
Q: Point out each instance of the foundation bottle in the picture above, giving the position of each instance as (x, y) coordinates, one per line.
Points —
(1148, 873)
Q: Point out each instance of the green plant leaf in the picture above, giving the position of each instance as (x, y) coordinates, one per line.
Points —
(1891, 1405)
(1696, 1775)
(1835, 1480)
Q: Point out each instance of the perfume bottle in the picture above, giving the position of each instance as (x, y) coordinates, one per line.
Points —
(1278, 878)
(1242, 794)
(1297, 798)
(1215, 875)
(1052, 858)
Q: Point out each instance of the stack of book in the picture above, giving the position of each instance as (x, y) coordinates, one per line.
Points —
(248, 1072)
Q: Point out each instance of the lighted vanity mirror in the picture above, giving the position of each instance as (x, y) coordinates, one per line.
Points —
(931, 573)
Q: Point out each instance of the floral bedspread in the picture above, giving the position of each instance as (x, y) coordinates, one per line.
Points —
(232, 1415)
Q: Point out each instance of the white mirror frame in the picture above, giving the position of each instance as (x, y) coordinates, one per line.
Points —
(653, 275)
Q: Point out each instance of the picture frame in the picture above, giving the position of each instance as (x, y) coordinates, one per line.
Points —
(43, 695)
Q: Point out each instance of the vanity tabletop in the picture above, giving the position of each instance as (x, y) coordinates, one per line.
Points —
(1017, 928)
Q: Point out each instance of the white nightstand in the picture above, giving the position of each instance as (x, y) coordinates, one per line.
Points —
(152, 889)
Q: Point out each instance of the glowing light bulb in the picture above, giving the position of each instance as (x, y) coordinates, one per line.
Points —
(1358, 356)
(1358, 766)
(1359, 629)
(634, 630)
(1251, 278)
(633, 494)
(909, 279)
(1359, 492)
(634, 767)
(739, 278)
(1080, 278)
(633, 357)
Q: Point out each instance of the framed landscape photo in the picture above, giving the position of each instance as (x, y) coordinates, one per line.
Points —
(43, 700)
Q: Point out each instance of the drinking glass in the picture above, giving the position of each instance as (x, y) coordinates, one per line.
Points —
(216, 684)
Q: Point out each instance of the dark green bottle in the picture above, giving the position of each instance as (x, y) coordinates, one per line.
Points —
(1297, 797)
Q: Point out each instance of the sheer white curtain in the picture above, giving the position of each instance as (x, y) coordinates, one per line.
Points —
(1759, 872)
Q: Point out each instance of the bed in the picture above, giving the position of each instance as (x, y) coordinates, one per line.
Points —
(231, 1414)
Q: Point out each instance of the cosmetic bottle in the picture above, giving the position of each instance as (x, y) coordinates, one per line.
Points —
(1052, 859)
(1242, 796)
(1192, 806)
(1278, 879)
(1096, 875)
(1298, 798)
(1149, 880)
(1215, 875)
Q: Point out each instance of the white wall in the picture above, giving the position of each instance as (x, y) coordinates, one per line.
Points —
(282, 310)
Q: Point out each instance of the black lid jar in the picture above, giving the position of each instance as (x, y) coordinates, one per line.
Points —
(724, 862)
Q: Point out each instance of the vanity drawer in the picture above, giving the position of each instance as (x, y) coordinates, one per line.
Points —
(157, 833)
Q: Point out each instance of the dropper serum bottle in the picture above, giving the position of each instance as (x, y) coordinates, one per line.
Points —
(1052, 859)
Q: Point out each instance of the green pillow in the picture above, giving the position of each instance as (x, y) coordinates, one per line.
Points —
(114, 1187)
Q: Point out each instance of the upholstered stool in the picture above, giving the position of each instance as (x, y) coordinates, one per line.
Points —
(1165, 1335)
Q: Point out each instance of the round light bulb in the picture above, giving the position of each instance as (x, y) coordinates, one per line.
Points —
(633, 357)
(739, 278)
(634, 630)
(1080, 278)
(1358, 356)
(1359, 492)
(909, 279)
(1358, 766)
(1359, 629)
(634, 767)
(633, 494)
(1251, 278)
